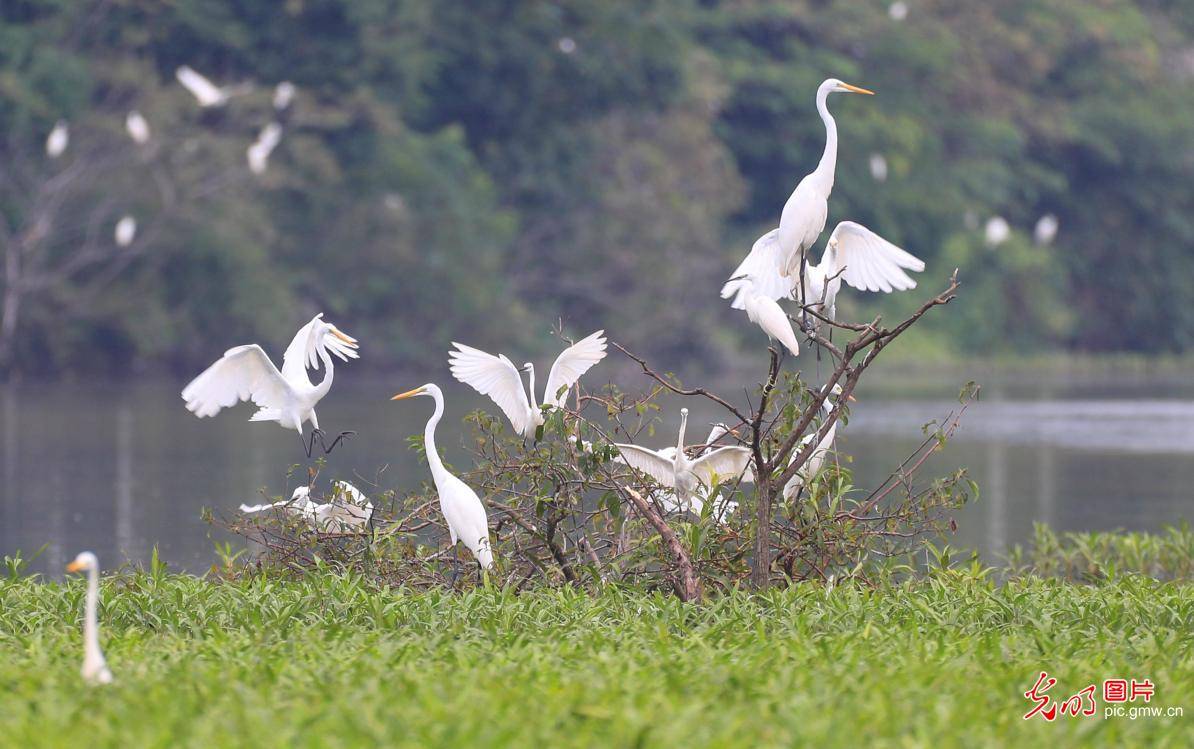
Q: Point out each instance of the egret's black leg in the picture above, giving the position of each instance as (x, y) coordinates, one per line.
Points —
(455, 565)
(308, 445)
(341, 436)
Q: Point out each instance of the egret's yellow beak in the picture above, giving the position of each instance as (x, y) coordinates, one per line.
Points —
(851, 398)
(74, 567)
(857, 90)
(408, 394)
(346, 338)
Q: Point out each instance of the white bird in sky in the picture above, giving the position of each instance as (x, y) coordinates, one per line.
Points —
(126, 231)
(95, 668)
(672, 468)
(498, 378)
(349, 508)
(854, 254)
(996, 231)
(287, 397)
(813, 465)
(137, 126)
(804, 215)
(58, 139)
(722, 509)
(460, 505)
(1046, 229)
(283, 95)
(205, 92)
(258, 153)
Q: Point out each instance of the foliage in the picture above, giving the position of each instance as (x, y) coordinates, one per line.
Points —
(1101, 556)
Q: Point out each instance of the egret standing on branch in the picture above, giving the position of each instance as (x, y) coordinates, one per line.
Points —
(816, 460)
(498, 378)
(806, 211)
(460, 505)
(95, 668)
(287, 397)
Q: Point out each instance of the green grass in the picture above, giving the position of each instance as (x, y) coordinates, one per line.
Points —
(329, 661)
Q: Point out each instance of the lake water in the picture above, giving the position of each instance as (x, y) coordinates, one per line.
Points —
(120, 467)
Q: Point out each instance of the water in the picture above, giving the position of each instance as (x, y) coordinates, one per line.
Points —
(121, 467)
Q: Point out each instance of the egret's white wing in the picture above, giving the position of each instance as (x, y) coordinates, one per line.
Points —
(761, 265)
(303, 351)
(768, 315)
(206, 92)
(652, 463)
(571, 365)
(496, 377)
(726, 463)
(870, 262)
(244, 373)
(249, 509)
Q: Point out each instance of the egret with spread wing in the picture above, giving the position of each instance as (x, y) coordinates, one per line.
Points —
(460, 505)
(287, 397)
(722, 508)
(673, 469)
(348, 510)
(498, 378)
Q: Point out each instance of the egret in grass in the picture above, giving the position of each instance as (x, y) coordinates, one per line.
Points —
(287, 397)
(205, 92)
(259, 152)
(816, 460)
(95, 668)
(137, 126)
(498, 378)
(460, 505)
(674, 470)
(348, 510)
(126, 231)
(58, 139)
(283, 95)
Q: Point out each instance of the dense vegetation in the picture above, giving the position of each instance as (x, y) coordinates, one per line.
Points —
(490, 168)
(329, 660)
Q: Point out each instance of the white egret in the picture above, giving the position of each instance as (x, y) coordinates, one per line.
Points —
(137, 126)
(722, 508)
(878, 167)
(287, 397)
(672, 468)
(349, 509)
(58, 139)
(258, 153)
(498, 378)
(854, 255)
(898, 10)
(126, 231)
(768, 315)
(95, 668)
(460, 505)
(205, 92)
(813, 465)
(283, 95)
(996, 231)
(804, 215)
(1046, 229)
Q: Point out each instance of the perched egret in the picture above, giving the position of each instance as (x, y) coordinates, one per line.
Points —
(126, 231)
(283, 95)
(258, 153)
(804, 215)
(498, 378)
(460, 505)
(854, 254)
(95, 668)
(813, 465)
(1046, 229)
(58, 139)
(672, 468)
(205, 92)
(349, 509)
(996, 231)
(137, 126)
(765, 312)
(722, 508)
(287, 397)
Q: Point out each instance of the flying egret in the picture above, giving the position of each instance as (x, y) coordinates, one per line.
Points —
(137, 126)
(498, 378)
(349, 509)
(287, 397)
(58, 139)
(283, 95)
(813, 465)
(95, 668)
(722, 508)
(804, 215)
(1046, 229)
(672, 468)
(205, 92)
(854, 254)
(258, 153)
(126, 231)
(460, 505)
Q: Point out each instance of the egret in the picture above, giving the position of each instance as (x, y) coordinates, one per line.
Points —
(498, 378)
(58, 139)
(287, 397)
(1046, 230)
(898, 10)
(258, 153)
(816, 460)
(854, 254)
(349, 509)
(137, 126)
(878, 167)
(804, 215)
(126, 231)
(765, 312)
(283, 95)
(95, 668)
(672, 468)
(996, 231)
(460, 505)
(205, 92)
(722, 509)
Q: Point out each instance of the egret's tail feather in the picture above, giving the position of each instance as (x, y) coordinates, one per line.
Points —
(266, 414)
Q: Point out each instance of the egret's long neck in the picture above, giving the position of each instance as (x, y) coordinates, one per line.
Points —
(680, 437)
(91, 646)
(329, 372)
(437, 466)
(828, 163)
(534, 403)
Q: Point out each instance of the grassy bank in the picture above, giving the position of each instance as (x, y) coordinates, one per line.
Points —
(328, 661)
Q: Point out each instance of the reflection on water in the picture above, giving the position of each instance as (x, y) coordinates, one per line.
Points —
(119, 468)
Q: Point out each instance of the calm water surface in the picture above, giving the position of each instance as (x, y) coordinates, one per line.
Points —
(120, 467)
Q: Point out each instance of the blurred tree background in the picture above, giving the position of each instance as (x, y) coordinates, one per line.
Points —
(480, 171)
